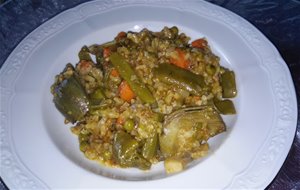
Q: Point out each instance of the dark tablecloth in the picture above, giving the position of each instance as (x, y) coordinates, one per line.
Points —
(279, 20)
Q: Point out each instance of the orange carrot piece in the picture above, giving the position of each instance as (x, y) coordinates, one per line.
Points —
(114, 73)
(199, 43)
(120, 121)
(126, 92)
(120, 36)
(180, 60)
(106, 52)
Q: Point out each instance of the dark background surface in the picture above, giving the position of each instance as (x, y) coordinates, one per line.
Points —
(278, 20)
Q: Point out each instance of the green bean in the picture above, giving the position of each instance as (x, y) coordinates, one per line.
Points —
(108, 44)
(228, 84)
(132, 79)
(182, 78)
(125, 152)
(225, 107)
(150, 147)
(124, 149)
(142, 163)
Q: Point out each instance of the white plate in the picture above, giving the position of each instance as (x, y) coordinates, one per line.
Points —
(38, 150)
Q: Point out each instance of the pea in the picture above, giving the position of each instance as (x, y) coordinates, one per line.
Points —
(129, 125)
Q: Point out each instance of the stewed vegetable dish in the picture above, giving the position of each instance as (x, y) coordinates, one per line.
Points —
(146, 97)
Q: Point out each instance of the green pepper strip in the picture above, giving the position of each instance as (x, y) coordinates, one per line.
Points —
(182, 78)
(128, 74)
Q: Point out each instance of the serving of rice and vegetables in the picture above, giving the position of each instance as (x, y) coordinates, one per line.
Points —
(145, 97)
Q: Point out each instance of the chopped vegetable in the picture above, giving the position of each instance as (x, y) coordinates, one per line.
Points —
(148, 97)
(120, 121)
(150, 147)
(228, 84)
(70, 99)
(84, 54)
(106, 52)
(97, 96)
(120, 36)
(124, 149)
(199, 43)
(125, 92)
(182, 78)
(180, 59)
(173, 165)
(184, 129)
(114, 73)
(128, 74)
(129, 125)
(225, 107)
(125, 152)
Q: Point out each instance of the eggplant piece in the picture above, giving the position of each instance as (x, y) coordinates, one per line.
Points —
(71, 99)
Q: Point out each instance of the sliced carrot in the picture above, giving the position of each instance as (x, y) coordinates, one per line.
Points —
(114, 73)
(120, 121)
(106, 52)
(180, 60)
(125, 91)
(84, 66)
(197, 98)
(199, 43)
(120, 36)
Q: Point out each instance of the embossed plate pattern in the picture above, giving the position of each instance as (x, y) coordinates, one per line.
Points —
(35, 148)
